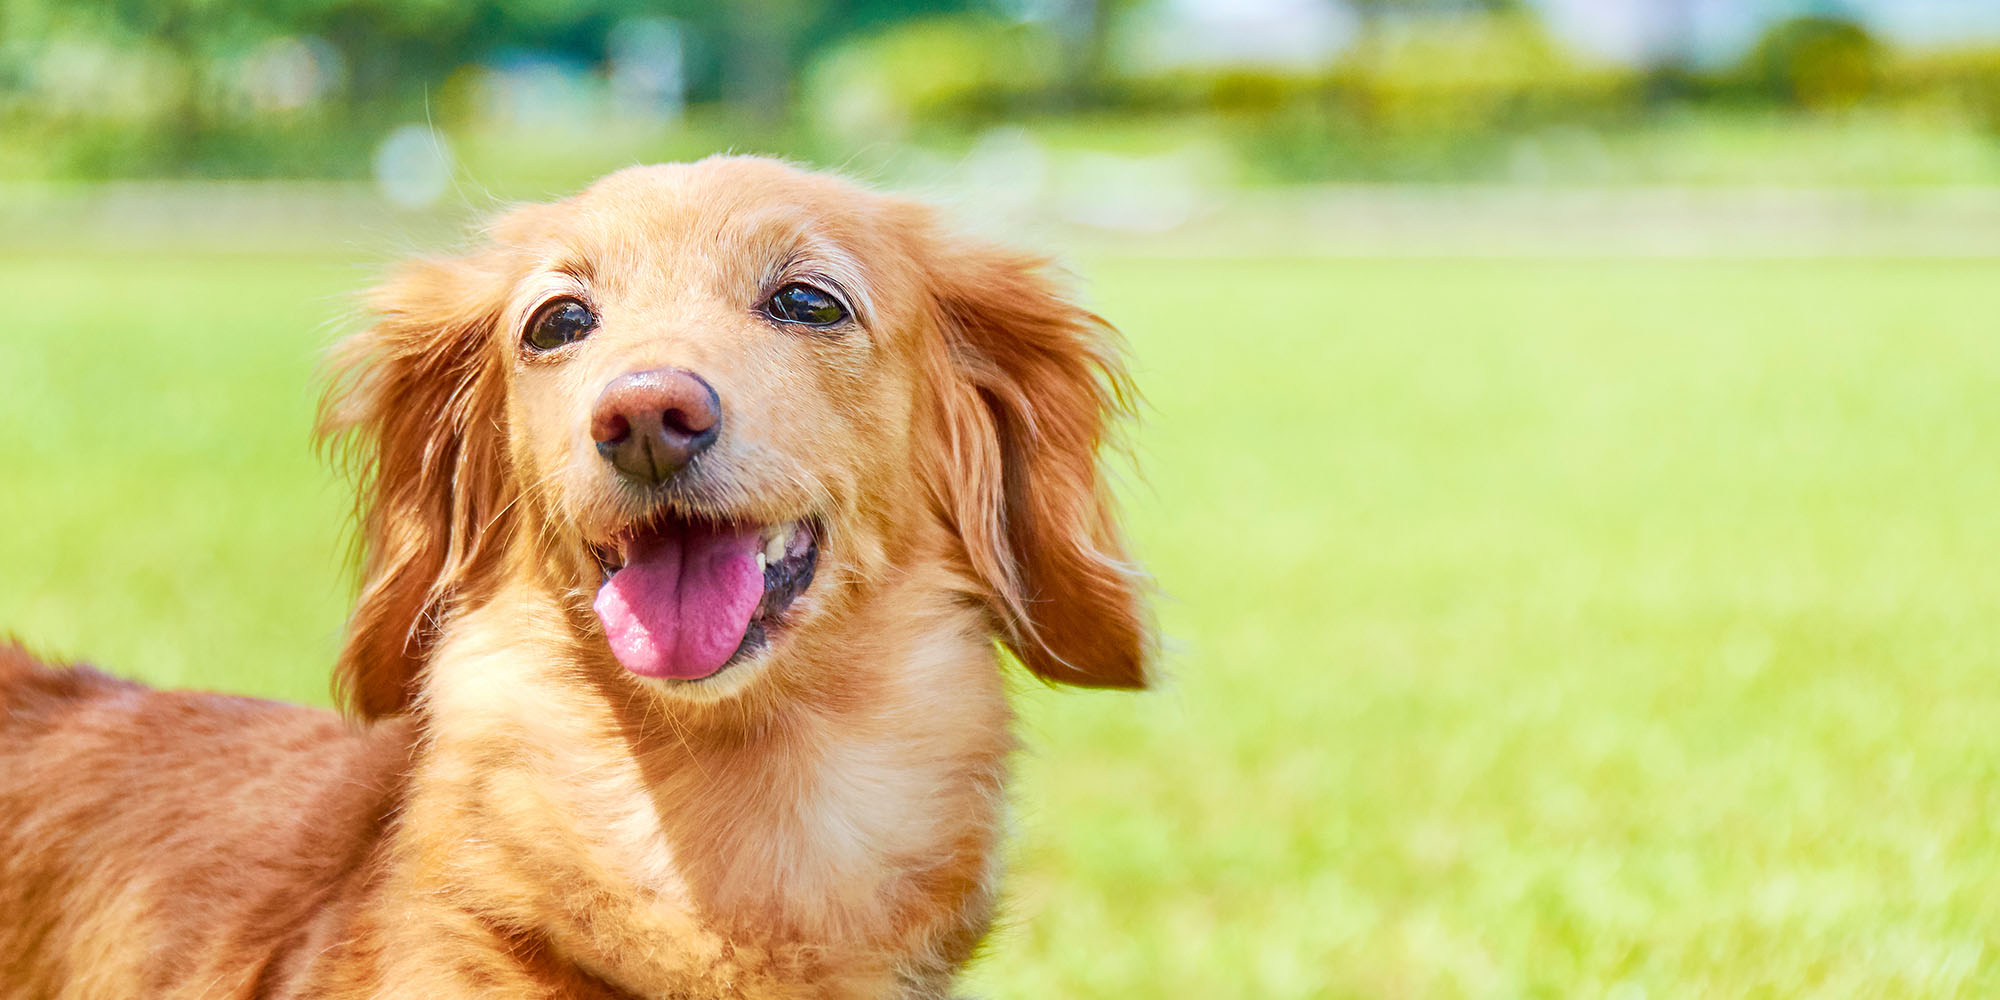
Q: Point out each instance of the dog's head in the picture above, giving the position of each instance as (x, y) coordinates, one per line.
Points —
(709, 408)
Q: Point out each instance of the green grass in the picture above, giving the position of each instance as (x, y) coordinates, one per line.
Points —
(1538, 628)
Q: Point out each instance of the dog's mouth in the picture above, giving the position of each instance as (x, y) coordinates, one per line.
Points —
(683, 597)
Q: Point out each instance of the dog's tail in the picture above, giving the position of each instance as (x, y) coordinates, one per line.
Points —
(17, 665)
(32, 690)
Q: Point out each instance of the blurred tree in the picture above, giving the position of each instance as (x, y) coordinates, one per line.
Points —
(1670, 59)
(399, 50)
(1083, 31)
(1374, 11)
(767, 42)
(1817, 61)
(1371, 14)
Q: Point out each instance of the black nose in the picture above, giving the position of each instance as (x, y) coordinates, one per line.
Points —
(651, 424)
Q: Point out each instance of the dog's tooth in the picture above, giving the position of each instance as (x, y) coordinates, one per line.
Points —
(762, 561)
(774, 546)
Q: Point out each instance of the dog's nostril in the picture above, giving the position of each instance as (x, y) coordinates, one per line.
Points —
(681, 422)
(610, 428)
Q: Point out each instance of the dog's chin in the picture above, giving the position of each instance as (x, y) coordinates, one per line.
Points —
(694, 604)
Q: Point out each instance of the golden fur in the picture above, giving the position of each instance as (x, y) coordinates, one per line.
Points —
(510, 813)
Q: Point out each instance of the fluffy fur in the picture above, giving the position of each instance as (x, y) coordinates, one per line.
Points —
(507, 812)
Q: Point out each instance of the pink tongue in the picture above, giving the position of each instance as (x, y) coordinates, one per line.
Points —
(680, 606)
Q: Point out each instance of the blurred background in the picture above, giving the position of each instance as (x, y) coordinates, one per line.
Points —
(1146, 117)
(1569, 463)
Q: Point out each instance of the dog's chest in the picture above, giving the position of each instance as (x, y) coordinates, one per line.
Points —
(683, 873)
(817, 839)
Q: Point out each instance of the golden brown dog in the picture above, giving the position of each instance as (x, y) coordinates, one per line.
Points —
(691, 510)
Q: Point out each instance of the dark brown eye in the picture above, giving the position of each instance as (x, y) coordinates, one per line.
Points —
(563, 321)
(805, 305)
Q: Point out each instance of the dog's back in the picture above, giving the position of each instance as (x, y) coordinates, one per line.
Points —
(158, 843)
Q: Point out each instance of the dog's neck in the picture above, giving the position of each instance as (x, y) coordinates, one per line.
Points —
(839, 833)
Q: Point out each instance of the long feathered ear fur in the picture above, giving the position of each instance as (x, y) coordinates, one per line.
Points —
(1031, 387)
(417, 404)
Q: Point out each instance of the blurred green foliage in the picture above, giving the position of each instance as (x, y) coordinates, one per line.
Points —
(1817, 62)
(1424, 89)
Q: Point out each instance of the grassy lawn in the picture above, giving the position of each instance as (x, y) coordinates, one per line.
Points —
(1539, 628)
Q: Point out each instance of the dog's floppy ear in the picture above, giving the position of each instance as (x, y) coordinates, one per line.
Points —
(1030, 387)
(417, 402)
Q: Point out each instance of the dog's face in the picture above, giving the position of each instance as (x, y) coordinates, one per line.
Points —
(708, 408)
(709, 389)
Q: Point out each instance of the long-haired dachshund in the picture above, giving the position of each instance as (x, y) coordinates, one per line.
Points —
(693, 513)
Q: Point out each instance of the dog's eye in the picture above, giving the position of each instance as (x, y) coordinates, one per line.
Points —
(806, 305)
(564, 321)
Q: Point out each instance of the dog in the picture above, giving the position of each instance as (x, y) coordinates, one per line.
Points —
(697, 518)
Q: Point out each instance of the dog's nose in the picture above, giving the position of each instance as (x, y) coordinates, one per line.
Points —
(651, 424)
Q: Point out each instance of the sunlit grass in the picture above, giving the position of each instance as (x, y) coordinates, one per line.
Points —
(1537, 628)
